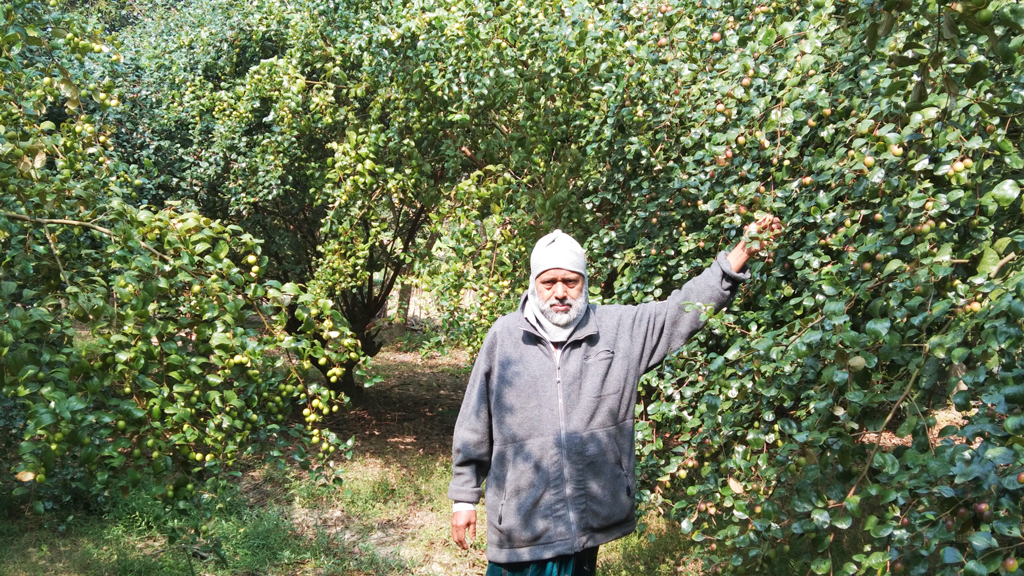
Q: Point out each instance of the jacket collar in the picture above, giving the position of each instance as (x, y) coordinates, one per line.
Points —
(586, 327)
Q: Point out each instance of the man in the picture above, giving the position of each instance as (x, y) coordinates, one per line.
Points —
(547, 418)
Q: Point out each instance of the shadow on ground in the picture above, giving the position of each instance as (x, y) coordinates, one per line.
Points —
(412, 411)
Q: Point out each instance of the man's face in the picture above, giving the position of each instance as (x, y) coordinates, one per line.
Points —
(560, 295)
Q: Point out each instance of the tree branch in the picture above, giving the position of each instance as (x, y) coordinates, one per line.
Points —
(469, 154)
(1008, 258)
(89, 225)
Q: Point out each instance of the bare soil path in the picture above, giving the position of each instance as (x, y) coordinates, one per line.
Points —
(414, 410)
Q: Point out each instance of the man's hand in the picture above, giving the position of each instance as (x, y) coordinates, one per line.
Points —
(463, 526)
(767, 227)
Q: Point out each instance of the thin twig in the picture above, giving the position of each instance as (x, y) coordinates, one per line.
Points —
(1008, 258)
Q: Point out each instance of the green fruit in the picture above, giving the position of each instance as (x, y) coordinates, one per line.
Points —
(985, 17)
(857, 363)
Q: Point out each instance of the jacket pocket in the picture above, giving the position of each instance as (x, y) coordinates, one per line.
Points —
(529, 510)
(605, 481)
(597, 368)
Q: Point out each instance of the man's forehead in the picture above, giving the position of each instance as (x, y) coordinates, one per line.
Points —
(558, 274)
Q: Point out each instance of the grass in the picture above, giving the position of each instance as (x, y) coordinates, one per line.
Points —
(389, 516)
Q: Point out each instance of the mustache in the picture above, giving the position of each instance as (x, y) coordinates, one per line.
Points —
(576, 306)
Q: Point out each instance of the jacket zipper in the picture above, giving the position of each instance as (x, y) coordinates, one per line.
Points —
(561, 425)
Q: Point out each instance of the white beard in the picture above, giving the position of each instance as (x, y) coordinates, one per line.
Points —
(562, 319)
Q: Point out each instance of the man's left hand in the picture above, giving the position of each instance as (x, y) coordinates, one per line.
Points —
(464, 528)
(767, 228)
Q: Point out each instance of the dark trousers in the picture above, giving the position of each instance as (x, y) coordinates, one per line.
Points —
(582, 563)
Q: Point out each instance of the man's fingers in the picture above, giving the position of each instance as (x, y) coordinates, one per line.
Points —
(458, 532)
(463, 523)
(459, 536)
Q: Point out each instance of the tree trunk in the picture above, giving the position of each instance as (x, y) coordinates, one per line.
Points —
(402, 315)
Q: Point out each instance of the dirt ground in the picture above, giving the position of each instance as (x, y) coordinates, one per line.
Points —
(413, 410)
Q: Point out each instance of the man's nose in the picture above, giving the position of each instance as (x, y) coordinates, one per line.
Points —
(560, 291)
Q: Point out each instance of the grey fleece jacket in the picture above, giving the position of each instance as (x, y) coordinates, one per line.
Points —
(552, 432)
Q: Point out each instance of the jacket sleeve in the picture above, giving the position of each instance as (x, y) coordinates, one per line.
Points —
(660, 328)
(472, 442)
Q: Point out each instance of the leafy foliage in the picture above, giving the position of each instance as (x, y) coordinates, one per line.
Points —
(139, 350)
(308, 127)
(885, 134)
(887, 137)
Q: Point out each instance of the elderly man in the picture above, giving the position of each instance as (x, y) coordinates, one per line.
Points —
(547, 418)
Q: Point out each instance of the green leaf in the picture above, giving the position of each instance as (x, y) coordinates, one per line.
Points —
(907, 426)
(975, 568)
(852, 503)
(977, 73)
(843, 522)
(877, 560)
(887, 462)
(1000, 455)
(951, 555)
(988, 261)
(877, 328)
(821, 518)
(982, 541)
(1005, 192)
(894, 265)
(822, 565)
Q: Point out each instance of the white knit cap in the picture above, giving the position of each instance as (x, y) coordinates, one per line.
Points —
(557, 250)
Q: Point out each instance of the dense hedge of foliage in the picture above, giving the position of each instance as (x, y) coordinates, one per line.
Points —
(139, 349)
(887, 137)
(308, 126)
